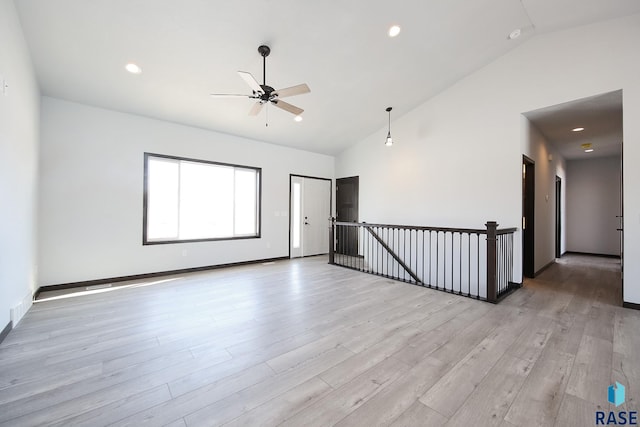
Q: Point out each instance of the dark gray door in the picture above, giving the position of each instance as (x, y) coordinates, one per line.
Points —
(528, 210)
(347, 211)
(558, 216)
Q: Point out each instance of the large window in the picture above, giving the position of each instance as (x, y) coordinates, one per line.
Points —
(187, 200)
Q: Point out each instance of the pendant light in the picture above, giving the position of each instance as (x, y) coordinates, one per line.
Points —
(389, 140)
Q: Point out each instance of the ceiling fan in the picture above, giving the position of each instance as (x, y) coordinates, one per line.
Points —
(263, 93)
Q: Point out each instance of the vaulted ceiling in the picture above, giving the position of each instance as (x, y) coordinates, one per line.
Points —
(190, 48)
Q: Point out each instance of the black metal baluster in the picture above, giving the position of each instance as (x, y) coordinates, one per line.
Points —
(378, 249)
(404, 254)
(478, 265)
(354, 257)
(460, 262)
(396, 248)
(379, 252)
(385, 265)
(503, 253)
(396, 245)
(350, 257)
(386, 255)
(370, 266)
(499, 262)
(437, 258)
(365, 248)
(360, 261)
(423, 255)
(336, 255)
(511, 256)
(410, 251)
(430, 255)
(469, 264)
(452, 263)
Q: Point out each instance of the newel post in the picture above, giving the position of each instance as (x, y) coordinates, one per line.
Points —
(332, 233)
(492, 226)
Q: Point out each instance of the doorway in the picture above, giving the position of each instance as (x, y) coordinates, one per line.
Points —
(558, 217)
(582, 140)
(528, 216)
(347, 193)
(309, 213)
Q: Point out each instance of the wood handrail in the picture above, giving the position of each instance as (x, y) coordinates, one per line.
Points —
(427, 228)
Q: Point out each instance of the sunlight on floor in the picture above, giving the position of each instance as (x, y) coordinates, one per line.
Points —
(90, 290)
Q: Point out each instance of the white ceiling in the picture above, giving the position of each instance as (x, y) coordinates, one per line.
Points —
(600, 116)
(190, 48)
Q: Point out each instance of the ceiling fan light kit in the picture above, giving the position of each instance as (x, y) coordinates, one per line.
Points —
(265, 94)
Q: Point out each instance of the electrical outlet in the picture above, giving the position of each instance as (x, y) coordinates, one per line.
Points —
(4, 86)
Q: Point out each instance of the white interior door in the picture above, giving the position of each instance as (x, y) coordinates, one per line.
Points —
(310, 211)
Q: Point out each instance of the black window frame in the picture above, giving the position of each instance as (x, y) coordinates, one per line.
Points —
(145, 240)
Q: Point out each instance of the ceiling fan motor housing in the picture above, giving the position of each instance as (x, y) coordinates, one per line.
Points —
(268, 90)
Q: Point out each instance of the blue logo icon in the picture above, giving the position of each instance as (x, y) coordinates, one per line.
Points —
(616, 394)
(616, 397)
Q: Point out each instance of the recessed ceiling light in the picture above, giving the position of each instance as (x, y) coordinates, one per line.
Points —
(394, 30)
(297, 118)
(133, 68)
(577, 129)
(515, 34)
(589, 150)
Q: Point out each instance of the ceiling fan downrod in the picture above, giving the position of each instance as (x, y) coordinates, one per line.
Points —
(264, 50)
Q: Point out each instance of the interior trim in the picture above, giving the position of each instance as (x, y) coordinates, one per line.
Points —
(549, 264)
(5, 331)
(147, 275)
(145, 196)
(591, 254)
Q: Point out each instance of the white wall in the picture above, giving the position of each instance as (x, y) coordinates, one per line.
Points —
(593, 201)
(19, 111)
(91, 184)
(538, 149)
(457, 157)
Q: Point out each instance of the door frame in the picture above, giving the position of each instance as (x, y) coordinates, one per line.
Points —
(291, 176)
(528, 211)
(558, 209)
(621, 223)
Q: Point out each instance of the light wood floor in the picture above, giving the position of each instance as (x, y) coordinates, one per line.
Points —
(302, 343)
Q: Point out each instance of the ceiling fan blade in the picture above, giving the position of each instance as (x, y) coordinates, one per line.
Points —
(253, 83)
(229, 95)
(287, 107)
(255, 110)
(292, 91)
